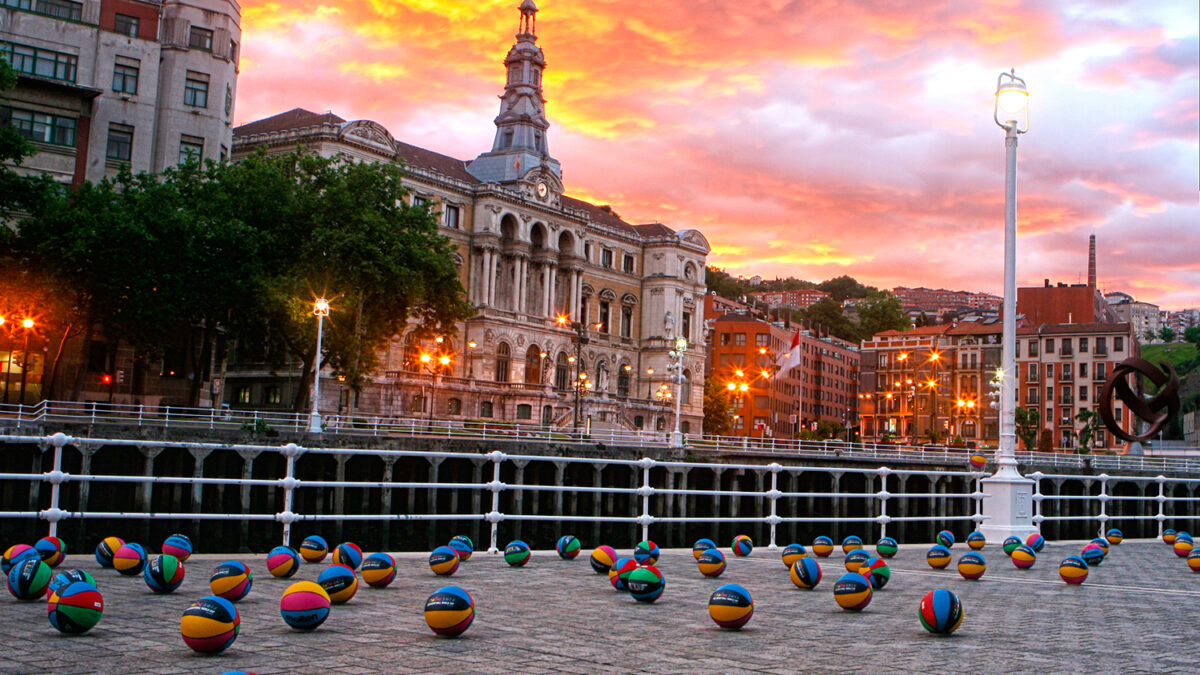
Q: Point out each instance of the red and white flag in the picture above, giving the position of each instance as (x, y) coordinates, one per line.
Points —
(791, 358)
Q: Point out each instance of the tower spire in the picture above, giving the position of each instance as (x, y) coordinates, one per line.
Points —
(1092, 261)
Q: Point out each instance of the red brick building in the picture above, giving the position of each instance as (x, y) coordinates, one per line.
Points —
(797, 299)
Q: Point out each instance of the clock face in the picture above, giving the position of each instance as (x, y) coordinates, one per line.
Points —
(542, 190)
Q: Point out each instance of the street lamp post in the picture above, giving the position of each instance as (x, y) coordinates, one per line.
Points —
(428, 360)
(320, 310)
(580, 379)
(27, 324)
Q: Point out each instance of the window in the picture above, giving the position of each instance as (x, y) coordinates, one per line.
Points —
(454, 406)
(126, 25)
(1049, 345)
(626, 322)
(243, 394)
(120, 142)
(59, 9)
(685, 427)
(687, 326)
(418, 404)
(40, 127)
(762, 340)
(1033, 372)
(125, 75)
(1066, 373)
(502, 362)
(533, 365)
(524, 411)
(1031, 396)
(1083, 393)
(190, 148)
(195, 89)
(453, 215)
(39, 62)
(1083, 345)
(739, 339)
(1098, 373)
(627, 264)
(273, 395)
(486, 409)
(420, 200)
(1083, 367)
(604, 316)
(561, 374)
(725, 338)
(606, 258)
(1033, 348)
(623, 383)
(200, 38)
(1101, 346)
(1118, 343)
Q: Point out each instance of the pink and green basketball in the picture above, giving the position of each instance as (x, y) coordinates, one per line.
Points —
(517, 553)
(620, 571)
(179, 546)
(304, 605)
(17, 554)
(30, 579)
(792, 553)
(972, 566)
(75, 608)
(51, 549)
(231, 580)
(129, 559)
(443, 561)
(1024, 557)
(567, 547)
(941, 612)
(646, 583)
(602, 559)
(164, 573)
(339, 581)
(1036, 542)
(283, 562)
(449, 611)
(1010, 544)
(730, 606)
(742, 546)
(711, 562)
(1073, 569)
(314, 549)
(106, 549)
(822, 546)
(938, 556)
(886, 547)
(379, 570)
(852, 592)
(876, 571)
(976, 541)
(806, 573)
(210, 625)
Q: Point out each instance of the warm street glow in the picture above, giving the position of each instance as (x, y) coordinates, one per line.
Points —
(27, 323)
(473, 344)
(321, 307)
(426, 358)
(731, 386)
(444, 360)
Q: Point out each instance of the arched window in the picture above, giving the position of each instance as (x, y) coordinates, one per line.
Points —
(623, 382)
(547, 415)
(533, 365)
(562, 377)
(412, 354)
(454, 406)
(685, 388)
(502, 362)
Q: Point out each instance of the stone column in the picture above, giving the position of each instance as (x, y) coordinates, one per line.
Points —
(389, 465)
(145, 495)
(518, 494)
(485, 278)
(547, 284)
(598, 498)
(574, 313)
(198, 457)
(493, 278)
(560, 471)
(87, 450)
(477, 495)
(435, 464)
(248, 457)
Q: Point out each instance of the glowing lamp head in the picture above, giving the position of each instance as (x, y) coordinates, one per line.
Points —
(444, 360)
(1012, 103)
(426, 358)
(681, 344)
(560, 320)
(27, 323)
(321, 307)
(743, 387)
(731, 386)
(473, 344)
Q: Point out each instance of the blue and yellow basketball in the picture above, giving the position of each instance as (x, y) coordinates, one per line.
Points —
(164, 573)
(63, 579)
(1168, 536)
(851, 543)
(339, 581)
(231, 580)
(602, 559)
(1036, 542)
(1010, 544)
(887, 547)
(52, 550)
(852, 592)
(466, 545)
(179, 546)
(568, 547)
(1183, 534)
(806, 573)
(516, 553)
(976, 541)
(701, 546)
(449, 611)
(129, 559)
(17, 554)
(711, 562)
(1092, 554)
(304, 605)
(855, 558)
(941, 612)
(348, 554)
(1193, 561)
(1102, 543)
(972, 565)
(314, 549)
(646, 553)
(792, 553)
(1073, 569)
(946, 538)
(822, 546)
(378, 570)
(30, 579)
(283, 562)
(646, 583)
(977, 461)
(1114, 536)
(938, 556)
(731, 606)
(877, 572)
(619, 573)
(1183, 547)
(75, 608)
(1024, 557)
(742, 546)
(106, 549)
(210, 625)
(443, 561)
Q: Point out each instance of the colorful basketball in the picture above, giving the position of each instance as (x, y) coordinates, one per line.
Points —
(852, 592)
(972, 565)
(938, 557)
(1101, 542)
(30, 579)
(731, 606)
(806, 573)
(1010, 544)
(646, 583)
(711, 562)
(792, 553)
(1024, 557)
(855, 558)
(701, 546)
(348, 554)
(976, 541)
(129, 559)
(1168, 536)
(304, 605)
(887, 547)
(443, 561)
(449, 611)
(210, 625)
(646, 553)
(977, 461)
(314, 549)
(17, 554)
(620, 571)
(1035, 542)
(463, 545)
(742, 546)
(876, 571)
(339, 581)
(1114, 536)
(283, 562)
(106, 549)
(946, 538)
(941, 612)
(1073, 569)
(1183, 536)
(379, 570)
(75, 608)
(63, 579)
(1193, 561)
(179, 546)
(1183, 547)
(602, 559)
(851, 543)
(231, 580)
(164, 573)
(1092, 554)
(516, 553)
(567, 547)
(822, 546)
(51, 549)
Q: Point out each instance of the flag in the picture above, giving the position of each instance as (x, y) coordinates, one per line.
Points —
(791, 358)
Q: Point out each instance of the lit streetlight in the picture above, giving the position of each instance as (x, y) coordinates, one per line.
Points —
(27, 324)
(320, 310)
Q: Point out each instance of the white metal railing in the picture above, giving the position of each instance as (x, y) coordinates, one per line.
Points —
(289, 484)
(1100, 501)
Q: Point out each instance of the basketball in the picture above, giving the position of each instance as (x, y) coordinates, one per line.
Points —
(941, 612)
(602, 559)
(972, 566)
(449, 611)
(339, 581)
(231, 581)
(210, 625)
(283, 562)
(851, 543)
(946, 538)
(63, 579)
(129, 559)
(822, 546)
(105, 550)
(1035, 542)
(620, 571)
(516, 553)
(1182, 535)
(887, 547)
(51, 549)
(701, 546)
(348, 554)
(1114, 536)
(177, 545)
(164, 573)
(443, 561)
(977, 461)
(1024, 557)
(742, 546)
(1101, 542)
(730, 606)
(17, 554)
(1193, 561)
(1183, 547)
(711, 562)
(646, 583)
(30, 579)
(1073, 569)
(792, 553)
(938, 557)
(876, 571)
(855, 559)
(75, 608)
(646, 553)
(379, 570)
(1168, 536)
(806, 573)
(313, 549)
(304, 605)
(567, 547)
(976, 541)
(463, 545)
(1092, 554)
(1010, 544)
(852, 592)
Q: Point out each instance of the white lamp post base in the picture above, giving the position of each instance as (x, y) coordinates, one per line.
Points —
(676, 439)
(1009, 507)
(314, 423)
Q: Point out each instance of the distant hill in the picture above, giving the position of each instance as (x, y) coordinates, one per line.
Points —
(1184, 357)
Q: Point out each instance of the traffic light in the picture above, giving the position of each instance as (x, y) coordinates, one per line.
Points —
(106, 379)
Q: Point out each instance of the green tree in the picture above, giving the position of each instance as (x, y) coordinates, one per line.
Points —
(881, 311)
(922, 320)
(716, 409)
(1029, 421)
(1166, 334)
(827, 313)
(844, 287)
(1087, 434)
(1192, 334)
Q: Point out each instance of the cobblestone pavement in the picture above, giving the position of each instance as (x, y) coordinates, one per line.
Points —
(1136, 613)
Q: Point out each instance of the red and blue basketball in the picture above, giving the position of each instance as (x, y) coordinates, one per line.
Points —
(177, 545)
(938, 556)
(646, 583)
(1101, 542)
(449, 611)
(941, 612)
(646, 553)
(701, 546)
(314, 549)
(620, 571)
(210, 625)
(348, 554)
(806, 573)
(283, 562)
(1092, 554)
(304, 605)
(1036, 542)
(443, 561)
(129, 559)
(164, 573)
(851, 543)
(75, 608)
(17, 554)
(976, 541)
(1168, 536)
(231, 580)
(1073, 569)
(63, 579)
(1193, 561)
(1024, 557)
(852, 592)
(822, 546)
(977, 461)
(972, 566)
(731, 606)
(876, 571)
(602, 559)
(517, 553)
(855, 558)
(339, 581)
(106, 549)
(379, 570)
(742, 546)
(1183, 547)
(29, 579)
(946, 538)
(792, 553)
(1114, 536)
(711, 562)
(462, 545)
(52, 550)
(1010, 544)
(886, 547)
(567, 547)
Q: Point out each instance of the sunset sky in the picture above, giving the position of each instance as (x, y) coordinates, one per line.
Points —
(806, 138)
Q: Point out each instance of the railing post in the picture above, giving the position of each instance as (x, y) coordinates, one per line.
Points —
(1036, 477)
(1103, 517)
(167, 419)
(773, 495)
(495, 486)
(290, 451)
(883, 496)
(212, 419)
(20, 407)
(646, 464)
(93, 413)
(56, 477)
(141, 410)
(1162, 500)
